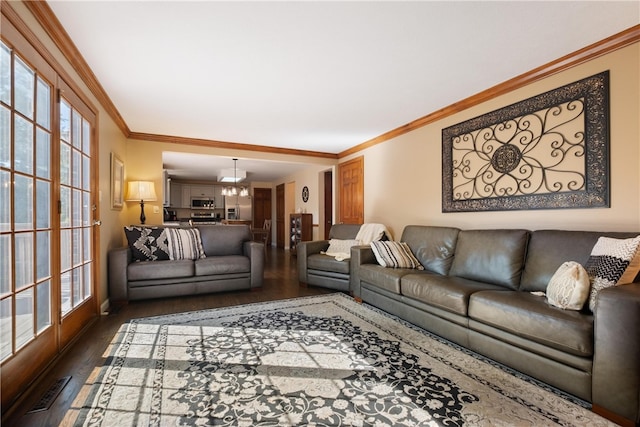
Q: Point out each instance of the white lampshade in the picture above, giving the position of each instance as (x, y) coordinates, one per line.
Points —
(141, 190)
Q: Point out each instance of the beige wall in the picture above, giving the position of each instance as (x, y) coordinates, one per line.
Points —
(403, 176)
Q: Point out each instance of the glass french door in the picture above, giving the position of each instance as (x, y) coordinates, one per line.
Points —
(47, 186)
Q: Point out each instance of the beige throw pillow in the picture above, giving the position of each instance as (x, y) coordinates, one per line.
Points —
(569, 286)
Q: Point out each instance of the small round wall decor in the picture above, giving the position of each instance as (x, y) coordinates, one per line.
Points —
(305, 194)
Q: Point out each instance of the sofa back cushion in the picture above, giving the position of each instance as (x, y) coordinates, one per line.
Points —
(344, 231)
(432, 246)
(224, 239)
(548, 249)
(492, 256)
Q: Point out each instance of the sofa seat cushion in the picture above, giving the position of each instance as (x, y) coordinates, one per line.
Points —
(385, 278)
(151, 270)
(530, 317)
(222, 265)
(447, 292)
(327, 263)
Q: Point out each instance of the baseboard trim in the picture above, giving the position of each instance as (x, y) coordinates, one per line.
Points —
(612, 416)
(104, 307)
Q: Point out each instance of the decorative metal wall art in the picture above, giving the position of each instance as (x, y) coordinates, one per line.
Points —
(546, 152)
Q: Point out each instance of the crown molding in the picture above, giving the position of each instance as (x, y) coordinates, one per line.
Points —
(603, 47)
(50, 23)
(229, 145)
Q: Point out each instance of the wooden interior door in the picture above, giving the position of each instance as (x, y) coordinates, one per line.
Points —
(351, 185)
(328, 203)
(281, 230)
(261, 206)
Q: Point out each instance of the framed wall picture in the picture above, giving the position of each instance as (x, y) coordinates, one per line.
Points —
(550, 151)
(117, 182)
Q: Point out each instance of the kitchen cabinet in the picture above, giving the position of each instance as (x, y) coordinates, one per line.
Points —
(202, 191)
(300, 230)
(175, 197)
(186, 196)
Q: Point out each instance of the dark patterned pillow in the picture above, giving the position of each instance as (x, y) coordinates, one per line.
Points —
(147, 243)
(612, 262)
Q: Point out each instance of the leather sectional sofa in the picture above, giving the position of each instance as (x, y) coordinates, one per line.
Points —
(476, 290)
(233, 261)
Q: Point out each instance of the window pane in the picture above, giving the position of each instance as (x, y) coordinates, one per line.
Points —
(86, 176)
(86, 137)
(65, 292)
(43, 318)
(5, 201)
(77, 130)
(6, 342)
(5, 263)
(23, 145)
(43, 255)
(86, 209)
(5, 137)
(24, 259)
(87, 281)
(23, 203)
(76, 169)
(77, 208)
(65, 121)
(65, 250)
(65, 207)
(77, 246)
(77, 286)
(43, 153)
(65, 164)
(24, 317)
(24, 85)
(87, 244)
(42, 204)
(5, 74)
(43, 114)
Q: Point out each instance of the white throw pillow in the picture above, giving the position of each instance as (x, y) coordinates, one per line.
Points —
(612, 262)
(395, 254)
(569, 286)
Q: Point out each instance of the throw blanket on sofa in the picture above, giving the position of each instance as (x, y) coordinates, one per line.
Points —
(370, 232)
(340, 249)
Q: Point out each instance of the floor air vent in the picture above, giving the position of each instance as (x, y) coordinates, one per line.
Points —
(50, 395)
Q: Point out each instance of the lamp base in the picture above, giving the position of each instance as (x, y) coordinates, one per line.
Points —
(142, 217)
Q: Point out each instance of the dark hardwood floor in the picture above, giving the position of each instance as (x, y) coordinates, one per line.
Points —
(82, 361)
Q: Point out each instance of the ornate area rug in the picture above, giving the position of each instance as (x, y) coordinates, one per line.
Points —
(314, 361)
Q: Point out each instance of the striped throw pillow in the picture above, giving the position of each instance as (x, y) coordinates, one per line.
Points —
(184, 243)
(395, 254)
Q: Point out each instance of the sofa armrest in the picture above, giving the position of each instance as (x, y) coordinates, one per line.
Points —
(359, 255)
(117, 261)
(305, 249)
(616, 362)
(255, 252)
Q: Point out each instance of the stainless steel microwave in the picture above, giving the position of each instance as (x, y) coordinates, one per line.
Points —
(203, 203)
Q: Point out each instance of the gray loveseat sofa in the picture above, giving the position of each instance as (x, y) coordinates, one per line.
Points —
(476, 289)
(233, 261)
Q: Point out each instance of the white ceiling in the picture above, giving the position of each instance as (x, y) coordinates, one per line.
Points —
(317, 75)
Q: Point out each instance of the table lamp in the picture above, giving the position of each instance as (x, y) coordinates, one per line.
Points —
(141, 191)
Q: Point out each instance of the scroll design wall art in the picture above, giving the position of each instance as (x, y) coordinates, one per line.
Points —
(547, 152)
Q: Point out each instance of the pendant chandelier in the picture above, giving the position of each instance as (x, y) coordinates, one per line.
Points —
(234, 190)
